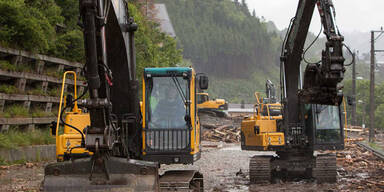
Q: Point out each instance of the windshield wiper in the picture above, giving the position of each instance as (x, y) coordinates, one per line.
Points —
(179, 89)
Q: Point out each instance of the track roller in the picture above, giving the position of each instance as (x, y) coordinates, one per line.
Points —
(325, 168)
(260, 169)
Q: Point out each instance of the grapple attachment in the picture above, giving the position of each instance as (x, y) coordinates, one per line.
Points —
(113, 174)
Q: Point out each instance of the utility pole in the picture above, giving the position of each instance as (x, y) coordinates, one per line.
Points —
(372, 87)
(372, 91)
(353, 122)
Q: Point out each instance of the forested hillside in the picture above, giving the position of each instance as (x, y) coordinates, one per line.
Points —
(51, 27)
(224, 40)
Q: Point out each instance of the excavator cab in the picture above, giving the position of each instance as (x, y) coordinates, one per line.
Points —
(171, 130)
(325, 126)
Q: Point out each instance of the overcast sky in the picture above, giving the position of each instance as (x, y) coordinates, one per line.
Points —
(351, 15)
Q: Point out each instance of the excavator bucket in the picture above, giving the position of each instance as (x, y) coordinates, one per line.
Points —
(113, 174)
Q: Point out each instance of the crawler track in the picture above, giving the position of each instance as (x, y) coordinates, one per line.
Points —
(325, 168)
(259, 169)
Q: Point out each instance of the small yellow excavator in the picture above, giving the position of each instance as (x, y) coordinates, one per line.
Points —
(260, 130)
(206, 105)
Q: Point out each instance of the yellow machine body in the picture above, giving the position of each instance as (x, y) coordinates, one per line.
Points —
(189, 155)
(205, 103)
(68, 140)
(71, 138)
(259, 132)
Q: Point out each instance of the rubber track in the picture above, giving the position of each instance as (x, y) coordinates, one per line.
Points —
(325, 169)
(259, 169)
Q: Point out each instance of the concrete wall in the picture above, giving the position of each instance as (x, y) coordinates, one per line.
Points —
(29, 153)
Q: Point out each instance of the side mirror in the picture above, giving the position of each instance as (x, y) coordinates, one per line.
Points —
(203, 82)
(187, 119)
(53, 128)
(350, 100)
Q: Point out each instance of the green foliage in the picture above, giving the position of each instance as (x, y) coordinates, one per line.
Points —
(221, 37)
(36, 91)
(52, 71)
(362, 102)
(8, 89)
(70, 13)
(153, 48)
(15, 111)
(237, 90)
(41, 113)
(15, 138)
(26, 25)
(6, 65)
(31, 25)
(70, 46)
(54, 92)
(223, 40)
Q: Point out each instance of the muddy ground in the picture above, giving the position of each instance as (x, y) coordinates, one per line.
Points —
(225, 168)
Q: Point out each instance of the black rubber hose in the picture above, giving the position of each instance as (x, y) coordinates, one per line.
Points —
(63, 122)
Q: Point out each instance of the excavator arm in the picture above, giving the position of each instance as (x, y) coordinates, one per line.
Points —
(111, 74)
(321, 80)
(321, 84)
(270, 91)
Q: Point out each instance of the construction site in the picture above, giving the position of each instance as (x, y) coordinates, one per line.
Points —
(189, 95)
(225, 166)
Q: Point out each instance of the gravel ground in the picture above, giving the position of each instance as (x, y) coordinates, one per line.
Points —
(26, 177)
(225, 168)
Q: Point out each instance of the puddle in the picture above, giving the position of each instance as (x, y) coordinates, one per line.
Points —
(231, 148)
(363, 175)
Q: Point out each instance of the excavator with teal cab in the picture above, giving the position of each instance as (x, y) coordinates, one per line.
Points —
(109, 142)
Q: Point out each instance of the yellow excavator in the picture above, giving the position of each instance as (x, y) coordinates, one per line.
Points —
(107, 142)
(260, 130)
(206, 105)
(170, 127)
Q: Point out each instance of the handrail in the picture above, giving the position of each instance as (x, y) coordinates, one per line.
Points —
(75, 108)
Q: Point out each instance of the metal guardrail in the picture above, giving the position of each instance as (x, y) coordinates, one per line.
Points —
(35, 78)
(46, 58)
(369, 148)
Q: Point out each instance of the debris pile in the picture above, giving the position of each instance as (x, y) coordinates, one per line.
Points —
(360, 169)
(217, 129)
(226, 133)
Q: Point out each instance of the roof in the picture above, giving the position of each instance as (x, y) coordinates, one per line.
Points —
(166, 70)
